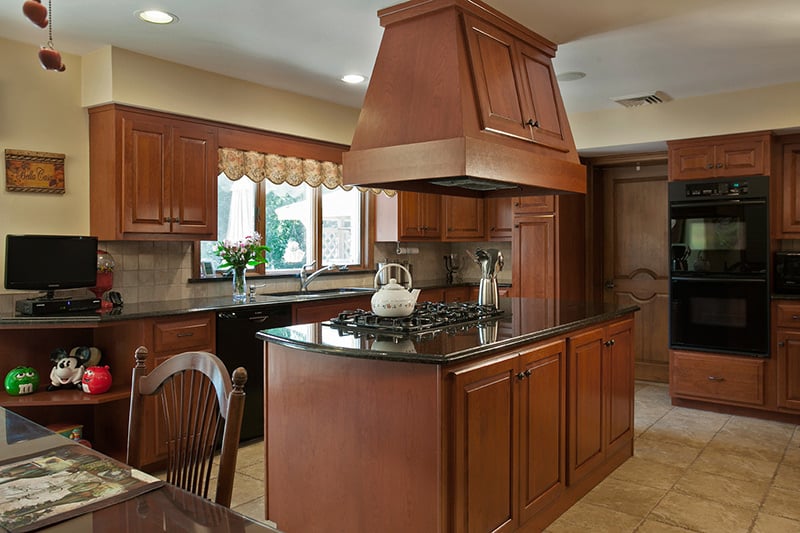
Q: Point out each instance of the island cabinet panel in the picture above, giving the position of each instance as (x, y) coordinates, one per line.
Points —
(485, 444)
(600, 397)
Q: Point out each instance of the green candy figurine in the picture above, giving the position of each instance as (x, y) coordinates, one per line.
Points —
(22, 380)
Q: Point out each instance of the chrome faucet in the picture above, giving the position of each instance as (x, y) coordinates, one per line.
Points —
(306, 278)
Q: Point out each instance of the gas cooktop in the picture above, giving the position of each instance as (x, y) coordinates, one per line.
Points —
(427, 318)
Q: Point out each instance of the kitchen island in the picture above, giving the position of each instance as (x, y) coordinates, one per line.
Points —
(496, 425)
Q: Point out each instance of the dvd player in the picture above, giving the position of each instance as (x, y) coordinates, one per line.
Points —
(55, 306)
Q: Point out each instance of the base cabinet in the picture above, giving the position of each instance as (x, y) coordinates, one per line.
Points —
(787, 352)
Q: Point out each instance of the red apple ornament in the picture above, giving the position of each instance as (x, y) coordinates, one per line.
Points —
(36, 12)
(50, 58)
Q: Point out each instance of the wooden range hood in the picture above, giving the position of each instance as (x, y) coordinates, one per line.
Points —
(463, 101)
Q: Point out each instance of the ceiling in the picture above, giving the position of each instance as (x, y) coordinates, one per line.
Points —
(681, 47)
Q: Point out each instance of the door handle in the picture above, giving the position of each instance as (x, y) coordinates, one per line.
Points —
(716, 378)
(609, 284)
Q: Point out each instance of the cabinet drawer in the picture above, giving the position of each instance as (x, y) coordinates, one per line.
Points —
(717, 377)
(185, 334)
(788, 315)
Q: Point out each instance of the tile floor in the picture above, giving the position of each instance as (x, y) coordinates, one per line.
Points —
(692, 471)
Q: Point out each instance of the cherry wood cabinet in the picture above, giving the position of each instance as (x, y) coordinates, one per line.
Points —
(463, 219)
(600, 392)
(534, 205)
(515, 85)
(786, 190)
(499, 219)
(787, 350)
(408, 216)
(320, 311)
(716, 377)
(720, 157)
(152, 175)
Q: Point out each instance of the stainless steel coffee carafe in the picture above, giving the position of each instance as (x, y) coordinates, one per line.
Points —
(491, 262)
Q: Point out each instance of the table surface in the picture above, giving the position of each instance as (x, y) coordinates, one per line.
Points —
(166, 508)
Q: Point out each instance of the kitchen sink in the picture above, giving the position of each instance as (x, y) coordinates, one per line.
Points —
(342, 291)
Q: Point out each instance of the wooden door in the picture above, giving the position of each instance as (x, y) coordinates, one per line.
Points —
(542, 427)
(586, 388)
(463, 218)
(636, 262)
(788, 355)
(498, 219)
(145, 184)
(485, 436)
(618, 368)
(193, 180)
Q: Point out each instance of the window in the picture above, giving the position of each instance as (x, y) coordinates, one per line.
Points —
(299, 224)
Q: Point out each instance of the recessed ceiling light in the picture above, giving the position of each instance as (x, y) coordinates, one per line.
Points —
(571, 76)
(353, 78)
(155, 16)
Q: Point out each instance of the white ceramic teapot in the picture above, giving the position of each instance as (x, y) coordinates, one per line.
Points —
(393, 300)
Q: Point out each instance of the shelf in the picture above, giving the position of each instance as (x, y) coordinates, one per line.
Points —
(44, 398)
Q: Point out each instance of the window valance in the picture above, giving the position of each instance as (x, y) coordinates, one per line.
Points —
(280, 169)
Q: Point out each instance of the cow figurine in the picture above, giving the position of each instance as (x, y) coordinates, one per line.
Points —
(68, 369)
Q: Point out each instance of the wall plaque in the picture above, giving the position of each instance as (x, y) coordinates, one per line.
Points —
(34, 171)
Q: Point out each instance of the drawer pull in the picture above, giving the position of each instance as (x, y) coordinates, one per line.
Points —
(716, 378)
(795, 317)
(186, 334)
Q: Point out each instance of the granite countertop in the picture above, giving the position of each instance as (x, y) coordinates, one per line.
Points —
(524, 320)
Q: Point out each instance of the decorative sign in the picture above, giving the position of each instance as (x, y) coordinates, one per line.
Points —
(34, 171)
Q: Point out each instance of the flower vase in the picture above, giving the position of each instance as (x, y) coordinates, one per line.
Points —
(239, 284)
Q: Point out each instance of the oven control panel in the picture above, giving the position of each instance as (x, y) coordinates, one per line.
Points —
(727, 188)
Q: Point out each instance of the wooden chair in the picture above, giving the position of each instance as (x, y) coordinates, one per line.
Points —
(196, 399)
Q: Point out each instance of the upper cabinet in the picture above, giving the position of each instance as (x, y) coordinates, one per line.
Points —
(534, 205)
(516, 86)
(724, 156)
(414, 216)
(786, 190)
(499, 219)
(463, 218)
(153, 176)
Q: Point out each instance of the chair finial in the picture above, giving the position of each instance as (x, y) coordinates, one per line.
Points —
(140, 355)
(239, 379)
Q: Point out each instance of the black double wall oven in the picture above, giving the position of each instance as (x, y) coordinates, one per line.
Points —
(719, 286)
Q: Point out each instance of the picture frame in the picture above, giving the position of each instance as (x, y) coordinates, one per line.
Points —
(28, 171)
(207, 269)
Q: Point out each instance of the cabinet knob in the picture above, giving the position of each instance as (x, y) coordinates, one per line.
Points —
(781, 344)
(167, 220)
(516, 204)
(795, 317)
(719, 165)
(716, 378)
(710, 166)
(521, 376)
(609, 342)
(528, 373)
(532, 123)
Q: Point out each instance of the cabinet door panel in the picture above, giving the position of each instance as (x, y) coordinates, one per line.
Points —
(485, 446)
(790, 197)
(498, 219)
(534, 205)
(542, 87)
(586, 438)
(464, 219)
(145, 183)
(691, 162)
(542, 427)
(742, 158)
(789, 369)
(619, 366)
(533, 251)
(491, 52)
(194, 188)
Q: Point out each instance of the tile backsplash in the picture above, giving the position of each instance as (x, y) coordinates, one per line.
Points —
(149, 271)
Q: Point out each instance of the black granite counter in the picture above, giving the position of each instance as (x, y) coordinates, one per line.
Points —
(525, 320)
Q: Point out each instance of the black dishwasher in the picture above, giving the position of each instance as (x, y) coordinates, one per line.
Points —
(237, 346)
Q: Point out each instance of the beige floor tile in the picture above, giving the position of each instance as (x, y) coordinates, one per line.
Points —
(698, 514)
(788, 477)
(665, 452)
(766, 523)
(767, 430)
(647, 473)
(245, 489)
(748, 445)
(253, 509)
(629, 498)
(734, 466)
(782, 502)
(740, 493)
(686, 427)
(792, 455)
(587, 517)
(652, 526)
(250, 454)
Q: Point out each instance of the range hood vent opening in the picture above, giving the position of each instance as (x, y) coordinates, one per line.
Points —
(635, 100)
(462, 101)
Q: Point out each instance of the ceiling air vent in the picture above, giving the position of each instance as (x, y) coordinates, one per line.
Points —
(633, 100)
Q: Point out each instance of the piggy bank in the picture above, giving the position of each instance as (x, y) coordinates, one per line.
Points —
(22, 380)
(96, 380)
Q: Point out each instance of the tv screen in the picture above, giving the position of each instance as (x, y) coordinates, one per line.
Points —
(50, 262)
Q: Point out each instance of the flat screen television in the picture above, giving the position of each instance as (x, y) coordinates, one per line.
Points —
(50, 262)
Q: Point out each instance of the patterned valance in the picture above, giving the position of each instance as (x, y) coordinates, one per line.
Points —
(283, 169)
